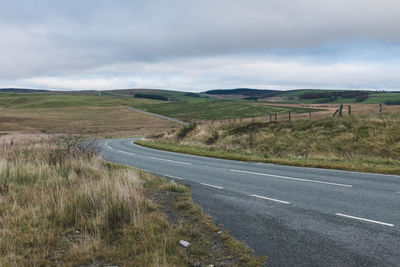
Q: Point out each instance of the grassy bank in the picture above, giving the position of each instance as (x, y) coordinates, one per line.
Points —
(61, 206)
(352, 143)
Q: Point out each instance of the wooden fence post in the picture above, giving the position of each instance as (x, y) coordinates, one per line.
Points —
(275, 116)
(349, 109)
(270, 117)
(340, 110)
(380, 109)
(290, 117)
(309, 115)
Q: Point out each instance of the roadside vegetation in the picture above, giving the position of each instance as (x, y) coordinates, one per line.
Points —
(369, 143)
(64, 206)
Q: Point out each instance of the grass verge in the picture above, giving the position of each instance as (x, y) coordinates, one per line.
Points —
(357, 144)
(61, 206)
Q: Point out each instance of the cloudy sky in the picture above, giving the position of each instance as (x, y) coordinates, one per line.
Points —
(197, 45)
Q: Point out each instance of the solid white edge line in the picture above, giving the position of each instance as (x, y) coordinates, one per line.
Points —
(214, 186)
(365, 220)
(272, 199)
(174, 177)
(292, 178)
(185, 163)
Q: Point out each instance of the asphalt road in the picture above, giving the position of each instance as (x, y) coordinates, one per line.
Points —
(296, 216)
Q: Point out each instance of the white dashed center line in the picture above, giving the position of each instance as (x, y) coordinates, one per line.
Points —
(214, 186)
(179, 162)
(271, 199)
(363, 219)
(125, 152)
(108, 145)
(292, 178)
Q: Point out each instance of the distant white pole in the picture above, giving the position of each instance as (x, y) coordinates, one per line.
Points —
(99, 93)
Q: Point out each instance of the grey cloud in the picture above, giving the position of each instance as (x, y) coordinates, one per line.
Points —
(41, 38)
(199, 74)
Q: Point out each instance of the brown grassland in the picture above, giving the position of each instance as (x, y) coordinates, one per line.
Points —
(67, 207)
(64, 206)
(321, 111)
(117, 121)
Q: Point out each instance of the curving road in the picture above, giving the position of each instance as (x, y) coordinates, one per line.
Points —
(296, 216)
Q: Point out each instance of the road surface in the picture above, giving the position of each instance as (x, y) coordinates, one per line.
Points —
(296, 216)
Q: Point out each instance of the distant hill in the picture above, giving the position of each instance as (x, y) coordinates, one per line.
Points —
(240, 91)
(156, 94)
(23, 90)
(245, 93)
(296, 96)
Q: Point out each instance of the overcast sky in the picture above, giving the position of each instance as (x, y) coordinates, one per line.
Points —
(198, 45)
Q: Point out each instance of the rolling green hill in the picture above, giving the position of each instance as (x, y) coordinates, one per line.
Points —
(170, 95)
(305, 96)
(216, 109)
(195, 108)
(56, 100)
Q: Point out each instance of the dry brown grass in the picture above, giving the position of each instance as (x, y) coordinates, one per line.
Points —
(325, 111)
(115, 121)
(73, 208)
(63, 206)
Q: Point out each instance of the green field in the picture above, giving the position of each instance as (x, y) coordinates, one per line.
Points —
(55, 100)
(214, 109)
(196, 108)
(171, 95)
(292, 97)
(377, 98)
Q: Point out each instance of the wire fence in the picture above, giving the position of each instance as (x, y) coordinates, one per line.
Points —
(325, 111)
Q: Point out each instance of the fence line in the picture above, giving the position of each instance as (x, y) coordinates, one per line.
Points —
(344, 109)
